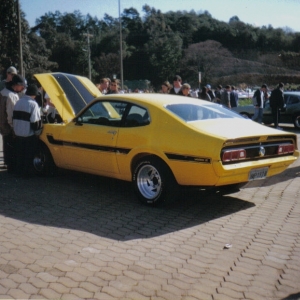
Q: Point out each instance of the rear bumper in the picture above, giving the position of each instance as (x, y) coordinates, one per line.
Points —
(239, 172)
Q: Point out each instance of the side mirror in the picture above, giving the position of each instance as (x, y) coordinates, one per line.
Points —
(78, 121)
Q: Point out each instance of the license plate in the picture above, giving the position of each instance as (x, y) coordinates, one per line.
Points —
(257, 174)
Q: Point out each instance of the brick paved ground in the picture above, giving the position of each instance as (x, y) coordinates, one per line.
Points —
(77, 236)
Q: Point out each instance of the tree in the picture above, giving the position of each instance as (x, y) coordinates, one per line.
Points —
(152, 45)
(38, 60)
(209, 57)
(107, 65)
(234, 19)
(9, 43)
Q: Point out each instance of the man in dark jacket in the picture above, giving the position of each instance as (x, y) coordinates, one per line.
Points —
(234, 97)
(176, 89)
(277, 103)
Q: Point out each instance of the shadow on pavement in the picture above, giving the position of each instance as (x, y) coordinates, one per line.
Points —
(288, 174)
(293, 297)
(106, 207)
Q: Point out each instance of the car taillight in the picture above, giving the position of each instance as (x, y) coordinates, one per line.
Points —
(285, 149)
(233, 155)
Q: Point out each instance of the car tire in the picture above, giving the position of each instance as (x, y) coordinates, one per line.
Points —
(153, 182)
(297, 121)
(43, 161)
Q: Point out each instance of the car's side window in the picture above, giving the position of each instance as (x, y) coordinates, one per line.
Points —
(107, 113)
(137, 116)
(293, 100)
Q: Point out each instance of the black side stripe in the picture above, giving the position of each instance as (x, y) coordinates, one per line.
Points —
(188, 158)
(77, 94)
(88, 146)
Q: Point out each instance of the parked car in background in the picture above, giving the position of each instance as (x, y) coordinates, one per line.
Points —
(291, 114)
(157, 142)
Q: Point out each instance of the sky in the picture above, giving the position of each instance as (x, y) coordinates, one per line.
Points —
(278, 13)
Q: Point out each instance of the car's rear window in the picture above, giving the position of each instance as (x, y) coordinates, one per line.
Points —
(192, 112)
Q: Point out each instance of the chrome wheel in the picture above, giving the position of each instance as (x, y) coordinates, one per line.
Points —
(43, 162)
(39, 163)
(153, 181)
(149, 181)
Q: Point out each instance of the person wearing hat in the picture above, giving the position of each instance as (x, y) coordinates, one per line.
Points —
(210, 92)
(27, 125)
(176, 89)
(10, 72)
(9, 96)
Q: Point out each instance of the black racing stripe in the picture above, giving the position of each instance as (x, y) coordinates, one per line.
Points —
(52, 141)
(88, 146)
(21, 115)
(79, 96)
(203, 160)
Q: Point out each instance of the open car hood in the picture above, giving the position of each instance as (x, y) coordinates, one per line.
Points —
(69, 93)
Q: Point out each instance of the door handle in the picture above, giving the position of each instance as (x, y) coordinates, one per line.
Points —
(113, 132)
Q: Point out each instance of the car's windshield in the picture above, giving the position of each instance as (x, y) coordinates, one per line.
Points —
(193, 112)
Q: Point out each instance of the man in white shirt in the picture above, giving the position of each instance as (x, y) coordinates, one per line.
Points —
(259, 107)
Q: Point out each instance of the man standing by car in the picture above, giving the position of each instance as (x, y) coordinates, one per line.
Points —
(27, 124)
(8, 98)
(277, 103)
(259, 107)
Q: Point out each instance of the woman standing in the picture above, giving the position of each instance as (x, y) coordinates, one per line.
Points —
(165, 87)
(185, 90)
(114, 87)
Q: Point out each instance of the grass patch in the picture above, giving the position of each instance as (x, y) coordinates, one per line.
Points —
(245, 101)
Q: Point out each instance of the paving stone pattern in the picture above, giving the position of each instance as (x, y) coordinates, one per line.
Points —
(76, 236)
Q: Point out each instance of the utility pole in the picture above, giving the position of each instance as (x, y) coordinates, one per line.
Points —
(121, 50)
(88, 35)
(21, 70)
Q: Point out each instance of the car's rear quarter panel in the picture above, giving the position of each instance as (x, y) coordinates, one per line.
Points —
(188, 153)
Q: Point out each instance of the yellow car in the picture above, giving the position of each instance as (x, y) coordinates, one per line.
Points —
(158, 142)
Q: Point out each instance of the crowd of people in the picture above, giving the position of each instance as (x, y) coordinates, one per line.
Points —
(227, 96)
(20, 123)
(22, 111)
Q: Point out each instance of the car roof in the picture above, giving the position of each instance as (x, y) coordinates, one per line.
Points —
(155, 99)
(297, 93)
